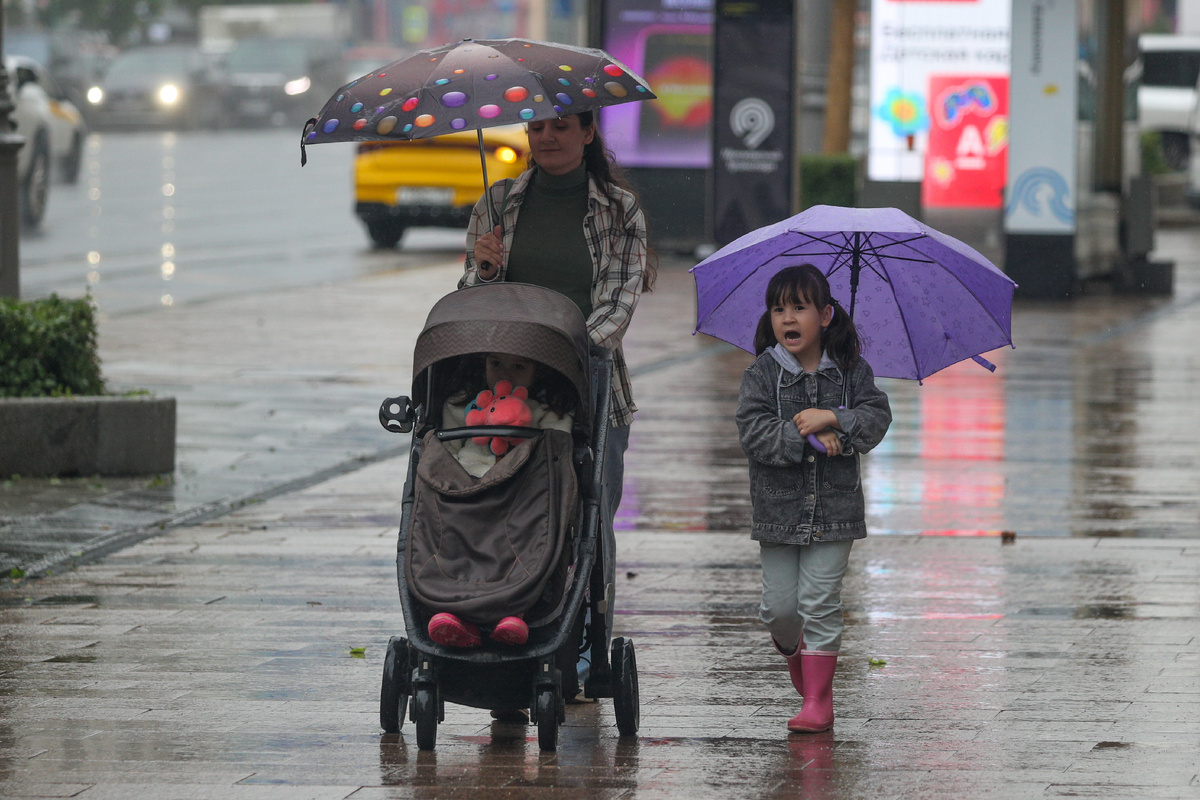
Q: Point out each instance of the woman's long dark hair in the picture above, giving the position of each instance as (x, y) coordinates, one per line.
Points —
(807, 283)
(600, 161)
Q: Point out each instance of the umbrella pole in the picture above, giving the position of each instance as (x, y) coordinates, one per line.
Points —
(486, 186)
(855, 268)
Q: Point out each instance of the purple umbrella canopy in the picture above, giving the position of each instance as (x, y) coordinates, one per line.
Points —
(474, 84)
(922, 300)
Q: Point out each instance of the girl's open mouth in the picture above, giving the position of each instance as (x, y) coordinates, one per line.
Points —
(791, 336)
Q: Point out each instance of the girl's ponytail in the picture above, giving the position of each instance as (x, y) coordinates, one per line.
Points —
(840, 338)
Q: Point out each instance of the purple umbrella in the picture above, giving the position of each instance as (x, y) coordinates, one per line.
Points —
(922, 300)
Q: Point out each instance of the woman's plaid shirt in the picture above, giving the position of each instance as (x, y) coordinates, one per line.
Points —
(615, 230)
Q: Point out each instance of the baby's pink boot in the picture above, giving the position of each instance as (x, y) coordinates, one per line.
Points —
(511, 630)
(817, 713)
(450, 631)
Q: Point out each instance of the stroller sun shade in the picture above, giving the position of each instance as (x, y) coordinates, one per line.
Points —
(516, 318)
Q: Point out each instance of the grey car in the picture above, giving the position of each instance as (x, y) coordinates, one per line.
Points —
(173, 86)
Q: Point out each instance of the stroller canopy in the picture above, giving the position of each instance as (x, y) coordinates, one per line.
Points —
(516, 318)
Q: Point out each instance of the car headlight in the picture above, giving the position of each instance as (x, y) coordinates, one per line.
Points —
(95, 95)
(298, 86)
(168, 93)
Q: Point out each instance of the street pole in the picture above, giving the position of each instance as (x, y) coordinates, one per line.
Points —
(10, 143)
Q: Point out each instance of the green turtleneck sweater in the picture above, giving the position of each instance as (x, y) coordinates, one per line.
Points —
(549, 247)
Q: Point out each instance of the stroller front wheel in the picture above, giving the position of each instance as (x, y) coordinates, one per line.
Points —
(393, 697)
(425, 716)
(546, 714)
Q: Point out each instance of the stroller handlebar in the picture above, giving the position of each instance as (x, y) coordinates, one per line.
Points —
(491, 431)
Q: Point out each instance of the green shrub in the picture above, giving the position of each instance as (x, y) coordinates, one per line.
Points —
(1153, 160)
(829, 180)
(48, 348)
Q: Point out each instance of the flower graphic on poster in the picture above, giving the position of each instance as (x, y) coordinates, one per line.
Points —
(942, 171)
(905, 112)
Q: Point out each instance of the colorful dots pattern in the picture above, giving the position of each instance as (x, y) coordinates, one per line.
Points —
(544, 89)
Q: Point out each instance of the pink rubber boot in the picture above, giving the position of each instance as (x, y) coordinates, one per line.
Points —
(449, 631)
(793, 662)
(817, 677)
(511, 630)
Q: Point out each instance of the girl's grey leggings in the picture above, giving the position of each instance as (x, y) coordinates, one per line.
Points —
(802, 593)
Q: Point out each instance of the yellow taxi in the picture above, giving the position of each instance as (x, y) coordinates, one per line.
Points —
(430, 182)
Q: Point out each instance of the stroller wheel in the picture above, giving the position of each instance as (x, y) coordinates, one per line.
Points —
(425, 716)
(393, 697)
(625, 686)
(545, 712)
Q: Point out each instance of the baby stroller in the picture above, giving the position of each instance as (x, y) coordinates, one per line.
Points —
(524, 537)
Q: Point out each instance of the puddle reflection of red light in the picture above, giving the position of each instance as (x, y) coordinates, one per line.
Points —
(962, 419)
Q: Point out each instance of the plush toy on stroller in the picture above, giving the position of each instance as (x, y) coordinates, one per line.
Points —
(520, 541)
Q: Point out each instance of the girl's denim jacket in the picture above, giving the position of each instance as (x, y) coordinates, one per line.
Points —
(798, 494)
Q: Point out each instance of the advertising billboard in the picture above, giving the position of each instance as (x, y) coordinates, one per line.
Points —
(965, 164)
(1042, 187)
(669, 43)
(915, 43)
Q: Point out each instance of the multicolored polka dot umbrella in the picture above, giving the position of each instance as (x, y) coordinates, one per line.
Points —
(470, 85)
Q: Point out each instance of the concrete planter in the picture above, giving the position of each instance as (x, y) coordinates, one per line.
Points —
(103, 435)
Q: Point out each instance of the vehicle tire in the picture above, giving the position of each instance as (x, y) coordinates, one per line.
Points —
(35, 185)
(425, 716)
(73, 160)
(545, 714)
(385, 233)
(393, 697)
(625, 686)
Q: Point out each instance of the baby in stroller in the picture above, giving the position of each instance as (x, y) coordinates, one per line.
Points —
(548, 401)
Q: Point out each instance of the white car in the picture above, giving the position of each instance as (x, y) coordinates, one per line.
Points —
(1166, 95)
(54, 133)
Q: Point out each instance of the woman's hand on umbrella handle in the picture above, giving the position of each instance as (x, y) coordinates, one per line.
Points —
(489, 255)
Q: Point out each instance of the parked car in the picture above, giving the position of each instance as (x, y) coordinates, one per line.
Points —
(160, 85)
(430, 182)
(74, 58)
(54, 134)
(281, 81)
(1167, 95)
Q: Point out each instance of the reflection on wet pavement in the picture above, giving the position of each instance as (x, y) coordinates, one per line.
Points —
(214, 661)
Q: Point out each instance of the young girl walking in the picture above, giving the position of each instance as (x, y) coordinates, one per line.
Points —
(808, 383)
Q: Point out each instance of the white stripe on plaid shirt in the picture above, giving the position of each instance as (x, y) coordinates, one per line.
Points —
(615, 230)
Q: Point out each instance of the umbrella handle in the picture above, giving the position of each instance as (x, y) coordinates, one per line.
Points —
(816, 443)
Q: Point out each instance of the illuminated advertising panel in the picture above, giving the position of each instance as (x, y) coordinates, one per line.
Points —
(669, 43)
(913, 44)
(968, 142)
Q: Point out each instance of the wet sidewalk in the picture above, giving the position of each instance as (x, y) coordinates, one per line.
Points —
(213, 659)
(215, 662)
